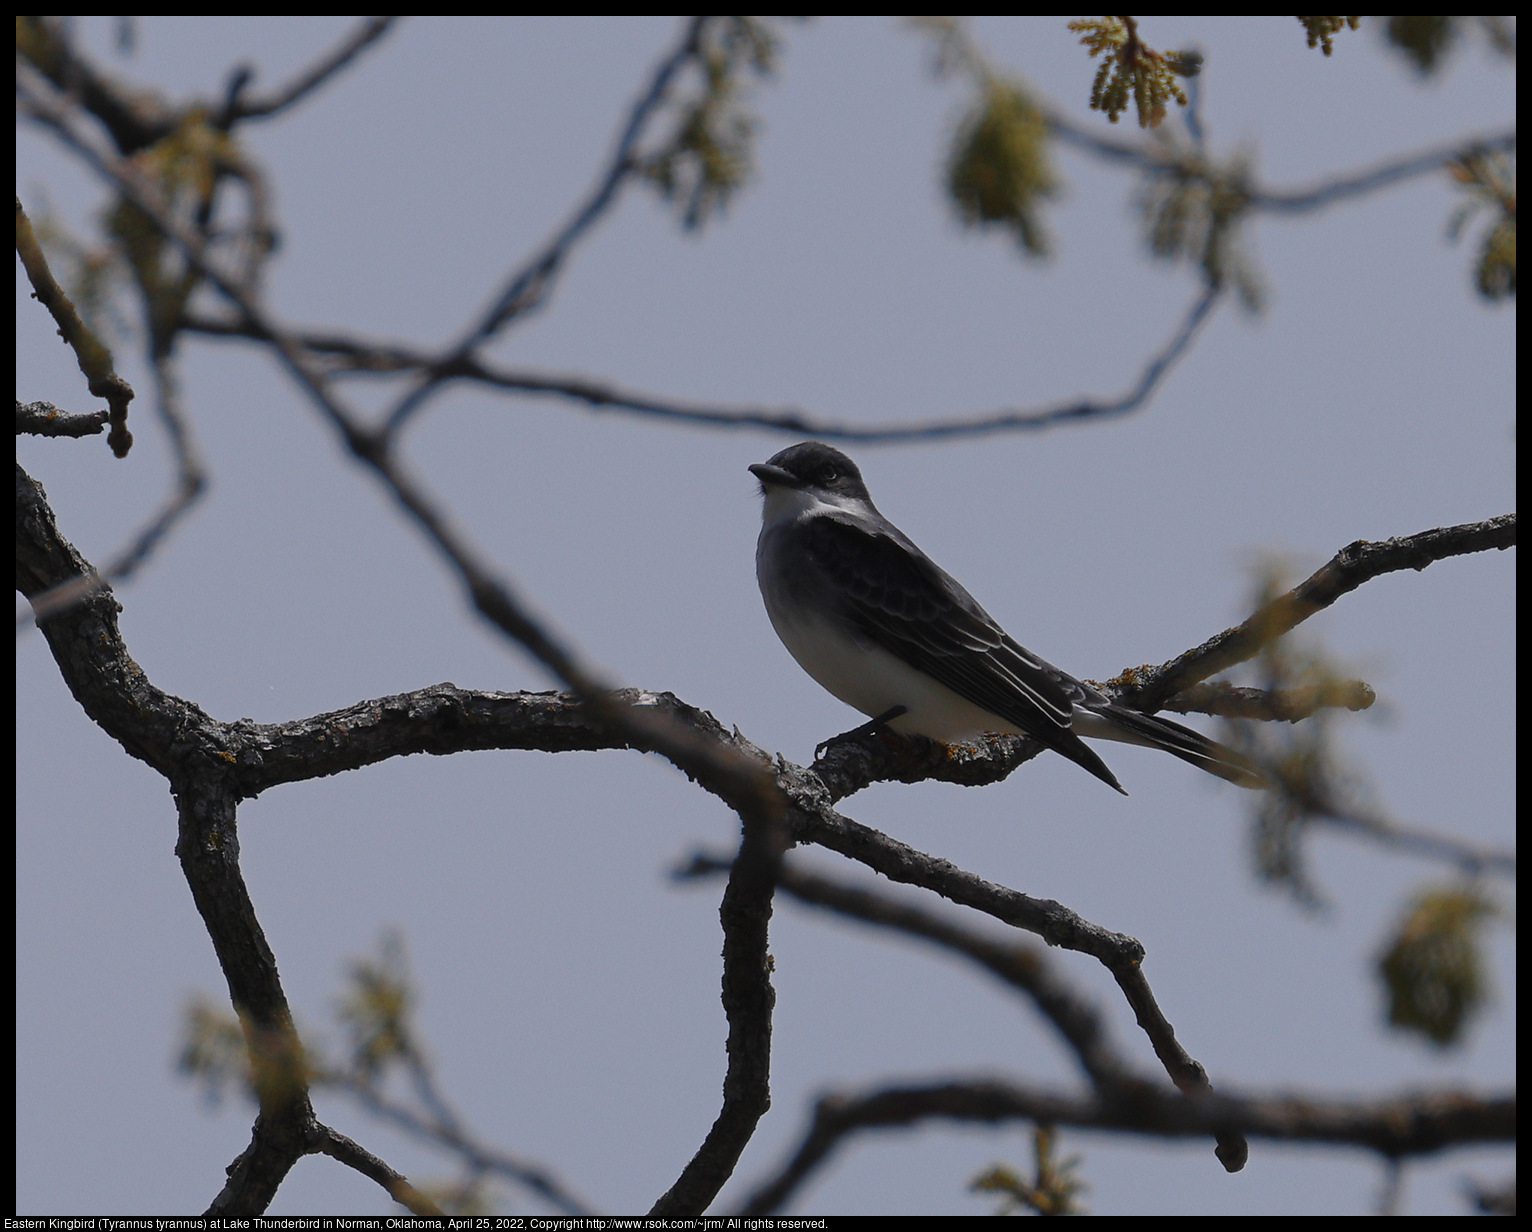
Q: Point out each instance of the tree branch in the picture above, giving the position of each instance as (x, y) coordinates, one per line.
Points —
(529, 287)
(338, 1146)
(1023, 967)
(376, 357)
(744, 783)
(1413, 1124)
(45, 419)
(240, 108)
(1358, 562)
(1231, 701)
(135, 119)
(1394, 171)
(209, 768)
(1028, 970)
(448, 1133)
(92, 355)
(748, 1000)
(191, 482)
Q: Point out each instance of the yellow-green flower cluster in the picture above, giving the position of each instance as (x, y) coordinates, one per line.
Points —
(1131, 68)
(1322, 29)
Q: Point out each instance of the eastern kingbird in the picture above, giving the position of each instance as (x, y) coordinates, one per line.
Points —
(874, 620)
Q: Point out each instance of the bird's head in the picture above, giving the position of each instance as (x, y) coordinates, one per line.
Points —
(814, 468)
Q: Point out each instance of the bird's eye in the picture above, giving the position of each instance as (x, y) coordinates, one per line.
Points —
(829, 474)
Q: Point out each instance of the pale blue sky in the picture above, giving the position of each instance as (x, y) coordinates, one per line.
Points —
(569, 991)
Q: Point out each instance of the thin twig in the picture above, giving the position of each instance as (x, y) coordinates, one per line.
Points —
(1393, 171)
(190, 483)
(529, 287)
(91, 353)
(243, 108)
(1023, 967)
(800, 423)
(338, 1146)
(45, 419)
(453, 1137)
(367, 357)
(462, 364)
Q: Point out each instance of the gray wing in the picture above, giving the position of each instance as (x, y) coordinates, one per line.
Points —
(899, 599)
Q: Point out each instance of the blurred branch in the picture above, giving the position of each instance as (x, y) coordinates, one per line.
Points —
(159, 728)
(1472, 858)
(529, 287)
(346, 353)
(377, 1011)
(135, 119)
(240, 107)
(452, 1136)
(1497, 1199)
(338, 1146)
(207, 827)
(369, 357)
(1394, 171)
(249, 757)
(1149, 379)
(1413, 1124)
(1290, 705)
(162, 730)
(212, 766)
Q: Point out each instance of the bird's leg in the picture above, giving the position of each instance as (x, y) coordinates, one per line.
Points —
(871, 727)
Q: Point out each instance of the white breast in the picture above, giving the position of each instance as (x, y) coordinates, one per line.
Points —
(872, 680)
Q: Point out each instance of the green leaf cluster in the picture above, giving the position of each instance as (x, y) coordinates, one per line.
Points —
(213, 1051)
(1489, 178)
(184, 167)
(1054, 1191)
(1194, 209)
(1424, 40)
(376, 1010)
(1433, 970)
(999, 170)
(710, 153)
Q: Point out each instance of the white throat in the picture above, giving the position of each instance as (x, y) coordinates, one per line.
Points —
(784, 506)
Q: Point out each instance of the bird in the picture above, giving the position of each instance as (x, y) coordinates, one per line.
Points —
(880, 625)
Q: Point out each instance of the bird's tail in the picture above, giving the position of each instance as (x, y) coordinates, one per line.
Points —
(1116, 722)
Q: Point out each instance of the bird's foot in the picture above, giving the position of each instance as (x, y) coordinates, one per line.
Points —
(869, 728)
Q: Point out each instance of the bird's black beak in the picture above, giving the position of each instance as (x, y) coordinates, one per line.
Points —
(774, 476)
